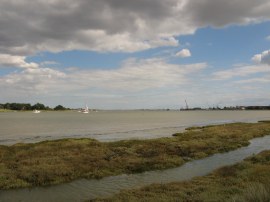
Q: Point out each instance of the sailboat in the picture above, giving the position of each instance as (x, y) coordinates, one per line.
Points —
(85, 110)
(36, 111)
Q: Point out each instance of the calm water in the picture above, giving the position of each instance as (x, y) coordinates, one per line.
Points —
(111, 125)
(82, 190)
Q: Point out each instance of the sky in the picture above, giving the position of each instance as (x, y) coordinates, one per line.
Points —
(143, 54)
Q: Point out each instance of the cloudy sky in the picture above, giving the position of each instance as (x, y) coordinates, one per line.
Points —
(118, 54)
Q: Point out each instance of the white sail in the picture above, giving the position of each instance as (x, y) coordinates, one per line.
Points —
(85, 110)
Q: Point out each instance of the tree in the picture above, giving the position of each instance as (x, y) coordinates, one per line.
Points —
(59, 107)
(39, 106)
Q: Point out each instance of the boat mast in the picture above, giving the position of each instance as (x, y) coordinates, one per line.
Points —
(186, 105)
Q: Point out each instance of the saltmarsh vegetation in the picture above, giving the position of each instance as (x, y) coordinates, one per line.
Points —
(247, 181)
(53, 162)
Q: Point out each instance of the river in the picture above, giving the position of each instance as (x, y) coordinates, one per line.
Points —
(111, 125)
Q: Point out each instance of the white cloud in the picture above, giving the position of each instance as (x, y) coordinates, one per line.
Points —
(33, 81)
(263, 58)
(257, 58)
(117, 25)
(49, 63)
(254, 80)
(7, 60)
(101, 41)
(133, 78)
(240, 72)
(148, 83)
(137, 75)
(268, 38)
(183, 53)
(113, 26)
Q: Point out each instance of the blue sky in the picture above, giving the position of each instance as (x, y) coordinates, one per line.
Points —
(222, 47)
(130, 55)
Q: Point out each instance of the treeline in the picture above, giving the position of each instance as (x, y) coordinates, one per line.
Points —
(27, 106)
(248, 108)
(257, 107)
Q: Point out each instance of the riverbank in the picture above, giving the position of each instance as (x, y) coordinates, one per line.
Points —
(6, 110)
(53, 162)
(247, 181)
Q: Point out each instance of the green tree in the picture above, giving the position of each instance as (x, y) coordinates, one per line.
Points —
(39, 106)
(59, 107)
(7, 106)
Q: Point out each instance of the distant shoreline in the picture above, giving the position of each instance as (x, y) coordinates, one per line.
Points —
(95, 110)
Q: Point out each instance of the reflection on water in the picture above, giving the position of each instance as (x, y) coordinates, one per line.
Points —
(111, 125)
(82, 190)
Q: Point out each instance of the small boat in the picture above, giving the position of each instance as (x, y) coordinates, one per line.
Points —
(85, 110)
(36, 111)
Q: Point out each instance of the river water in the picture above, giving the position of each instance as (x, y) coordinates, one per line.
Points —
(111, 125)
(82, 190)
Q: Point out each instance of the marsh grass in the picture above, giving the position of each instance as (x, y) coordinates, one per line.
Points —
(58, 161)
(255, 192)
(247, 181)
